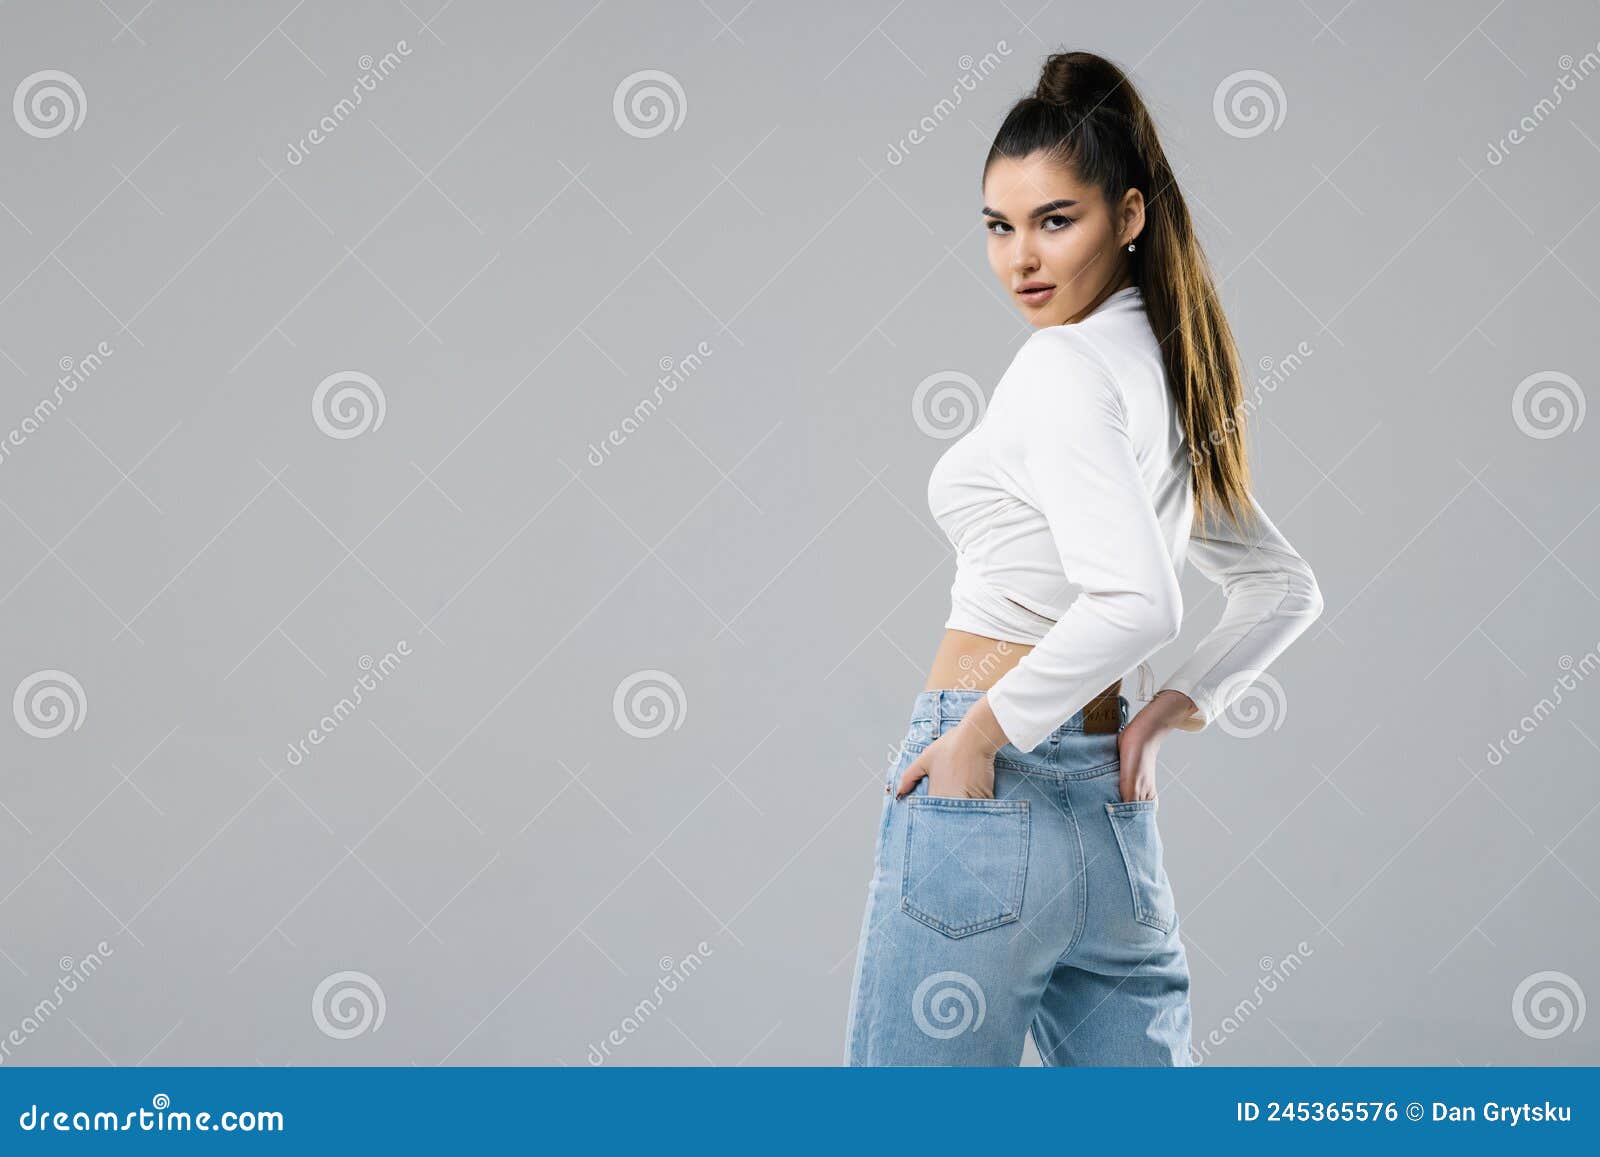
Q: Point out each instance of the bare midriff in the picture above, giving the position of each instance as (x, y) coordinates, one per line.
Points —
(968, 662)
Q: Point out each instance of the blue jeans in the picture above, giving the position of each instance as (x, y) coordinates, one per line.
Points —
(1046, 908)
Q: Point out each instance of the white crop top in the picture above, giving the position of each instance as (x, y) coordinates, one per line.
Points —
(1077, 476)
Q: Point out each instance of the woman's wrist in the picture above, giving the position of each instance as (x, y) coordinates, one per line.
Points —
(1168, 711)
(980, 731)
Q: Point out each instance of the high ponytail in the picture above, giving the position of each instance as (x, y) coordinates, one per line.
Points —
(1086, 114)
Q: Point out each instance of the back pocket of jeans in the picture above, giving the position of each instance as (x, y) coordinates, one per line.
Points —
(966, 862)
(1134, 823)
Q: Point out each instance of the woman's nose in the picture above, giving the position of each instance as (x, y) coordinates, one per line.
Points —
(1023, 258)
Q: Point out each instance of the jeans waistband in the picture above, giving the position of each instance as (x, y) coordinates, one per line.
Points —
(943, 709)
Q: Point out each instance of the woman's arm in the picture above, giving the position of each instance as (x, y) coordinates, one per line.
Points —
(1078, 465)
(1272, 597)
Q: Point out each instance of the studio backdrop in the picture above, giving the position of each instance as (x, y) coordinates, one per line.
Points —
(465, 563)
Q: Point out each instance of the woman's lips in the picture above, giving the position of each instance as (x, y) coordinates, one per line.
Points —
(1037, 297)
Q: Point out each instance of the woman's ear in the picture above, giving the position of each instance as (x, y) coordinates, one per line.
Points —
(1130, 216)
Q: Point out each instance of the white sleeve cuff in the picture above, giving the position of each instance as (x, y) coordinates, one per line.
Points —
(1205, 708)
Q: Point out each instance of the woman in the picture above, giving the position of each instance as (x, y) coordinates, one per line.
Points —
(1018, 881)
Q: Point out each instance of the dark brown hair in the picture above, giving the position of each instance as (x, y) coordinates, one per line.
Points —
(1087, 116)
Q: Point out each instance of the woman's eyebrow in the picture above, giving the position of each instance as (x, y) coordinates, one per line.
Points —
(1048, 207)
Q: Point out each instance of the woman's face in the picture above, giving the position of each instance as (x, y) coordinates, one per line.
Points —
(1048, 231)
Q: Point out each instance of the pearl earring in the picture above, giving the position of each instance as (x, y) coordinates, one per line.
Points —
(1130, 247)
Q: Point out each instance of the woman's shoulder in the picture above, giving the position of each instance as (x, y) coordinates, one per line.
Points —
(1057, 360)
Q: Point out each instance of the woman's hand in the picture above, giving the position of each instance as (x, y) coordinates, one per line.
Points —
(959, 763)
(1140, 741)
(953, 768)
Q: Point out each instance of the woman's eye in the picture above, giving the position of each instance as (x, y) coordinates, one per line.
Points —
(995, 227)
(1065, 221)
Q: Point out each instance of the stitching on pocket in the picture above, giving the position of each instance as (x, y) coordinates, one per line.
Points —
(1141, 913)
(1011, 896)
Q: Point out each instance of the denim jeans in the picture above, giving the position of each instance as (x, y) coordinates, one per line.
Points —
(1046, 908)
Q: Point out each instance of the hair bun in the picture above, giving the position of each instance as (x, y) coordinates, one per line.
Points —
(1075, 79)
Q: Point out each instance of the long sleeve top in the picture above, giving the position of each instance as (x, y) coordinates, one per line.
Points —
(1077, 479)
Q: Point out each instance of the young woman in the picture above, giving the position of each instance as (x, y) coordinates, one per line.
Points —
(1018, 880)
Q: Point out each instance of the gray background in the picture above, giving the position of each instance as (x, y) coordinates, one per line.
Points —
(483, 838)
